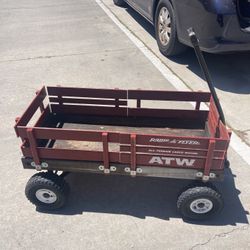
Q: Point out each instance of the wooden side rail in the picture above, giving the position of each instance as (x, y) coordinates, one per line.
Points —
(30, 111)
(117, 97)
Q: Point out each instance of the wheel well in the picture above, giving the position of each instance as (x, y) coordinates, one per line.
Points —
(155, 6)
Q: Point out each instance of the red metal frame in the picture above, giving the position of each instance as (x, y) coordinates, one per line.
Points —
(208, 152)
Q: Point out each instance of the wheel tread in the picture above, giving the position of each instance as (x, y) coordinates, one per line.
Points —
(197, 191)
(174, 48)
(47, 179)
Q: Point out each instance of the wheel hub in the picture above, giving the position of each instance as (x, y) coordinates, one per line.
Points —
(201, 206)
(164, 26)
(46, 196)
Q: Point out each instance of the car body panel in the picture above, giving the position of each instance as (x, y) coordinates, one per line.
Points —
(216, 22)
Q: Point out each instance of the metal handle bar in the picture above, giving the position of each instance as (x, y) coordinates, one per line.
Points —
(205, 72)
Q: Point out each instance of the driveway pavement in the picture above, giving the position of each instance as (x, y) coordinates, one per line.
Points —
(74, 43)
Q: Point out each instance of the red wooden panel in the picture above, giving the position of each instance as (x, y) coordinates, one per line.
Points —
(30, 111)
(42, 117)
(88, 110)
(105, 150)
(212, 127)
(169, 95)
(168, 141)
(209, 160)
(172, 151)
(221, 144)
(70, 134)
(88, 101)
(67, 154)
(169, 113)
(26, 151)
(131, 94)
(22, 131)
(213, 117)
(224, 132)
(142, 112)
(133, 161)
(172, 161)
(33, 145)
(86, 92)
(174, 141)
(81, 155)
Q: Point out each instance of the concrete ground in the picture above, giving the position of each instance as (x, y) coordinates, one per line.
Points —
(74, 43)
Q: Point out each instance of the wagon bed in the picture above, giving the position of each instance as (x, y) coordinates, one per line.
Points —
(117, 131)
(126, 132)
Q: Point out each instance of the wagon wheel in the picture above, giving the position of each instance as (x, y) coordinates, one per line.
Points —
(199, 203)
(47, 191)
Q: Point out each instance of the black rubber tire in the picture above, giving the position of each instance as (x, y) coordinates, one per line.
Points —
(227, 163)
(200, 192)
(197, 183)
(174, 47)
(49, 181)
(119, 2)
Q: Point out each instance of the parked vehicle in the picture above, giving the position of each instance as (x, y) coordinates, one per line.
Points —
(222, 26)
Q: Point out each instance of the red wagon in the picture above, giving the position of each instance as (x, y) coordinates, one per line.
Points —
(99, 131)
(126, 132)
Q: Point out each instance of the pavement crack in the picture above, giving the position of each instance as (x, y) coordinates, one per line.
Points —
(220, 235)
(66, 55)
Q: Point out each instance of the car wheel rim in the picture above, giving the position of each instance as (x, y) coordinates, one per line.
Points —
(201, 206)
(164, 26)
(46, 196)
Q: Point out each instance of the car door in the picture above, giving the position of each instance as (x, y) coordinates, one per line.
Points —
(144, 7)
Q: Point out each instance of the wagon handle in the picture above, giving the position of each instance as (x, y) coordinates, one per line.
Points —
(204, 68)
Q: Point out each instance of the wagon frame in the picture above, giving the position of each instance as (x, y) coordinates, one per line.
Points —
(127, 132)
(76, 105)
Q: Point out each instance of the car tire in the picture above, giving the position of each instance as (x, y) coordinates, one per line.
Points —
(166, 30)
(119, 2)
(47, 191)
(199, 203)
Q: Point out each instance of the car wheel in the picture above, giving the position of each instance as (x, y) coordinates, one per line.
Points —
(119, 2)
(199, 203)
(166, 31)
(47, 191)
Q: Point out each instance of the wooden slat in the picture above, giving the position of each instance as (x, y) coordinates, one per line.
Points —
(169, 113)
(88, 101)
(30, 111)
(89, 110)
(172, 151)
(169, 95)
(131, 94)
(224, 133)
(105, 145)
(87, 92)
(209, 159)
(77, 155)
(42, 117)
(33, 146)
(71, 134)
(136, 112)
(180, 142)
(146, 160)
